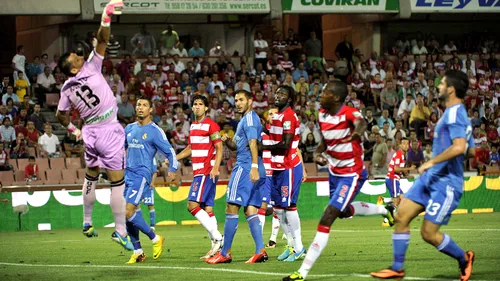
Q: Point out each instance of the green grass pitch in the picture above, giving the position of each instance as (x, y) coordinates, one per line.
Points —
(356, 247)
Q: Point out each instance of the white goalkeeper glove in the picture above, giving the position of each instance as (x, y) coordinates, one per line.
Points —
(114, 7)
(74, 131)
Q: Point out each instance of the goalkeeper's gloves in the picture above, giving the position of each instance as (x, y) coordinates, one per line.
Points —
(74, 131)
(112, 8)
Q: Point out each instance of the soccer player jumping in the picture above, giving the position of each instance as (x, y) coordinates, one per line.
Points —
(440, 186)
(341, 127)
(87, 91)
(247, 177)
(205, 148)
(143, 139)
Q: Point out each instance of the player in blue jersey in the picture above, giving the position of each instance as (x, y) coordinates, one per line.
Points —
(149, 197)
(439, 188)
(143, 139)
(247, 177)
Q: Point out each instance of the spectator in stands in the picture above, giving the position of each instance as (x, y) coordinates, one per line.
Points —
(345, 50)
(11, 109)
(71, 146)
(420, 114)
(449, 47)
(10, 94)
(7, 132)
(389, 98)
(313, 49)
(21, 127)
(38, 118)
(419, 48)
(49, 145)
(478, 137)
(22, 87)
(4, 159)
(31, 172)
(169, 39)
(18, 148)
(113, 47)
(368, 145)
(261, 49)
(481, 158)
(311, 129)
(376, 87)
(385, 132)
(143, 42)
(179, 50)
(300, 72)
(18, 62)
(494, 156)
(385, 118)
(390, 150)
(398, 128)
(33, 134)
(126, 111)
(217, 50)
(492, 134)
(415, 156)
(116, 81)
(370, 121)
(309, 148)
(180, 139)
(5, 83)
(46, 83)
(196, 50)
(379, 157)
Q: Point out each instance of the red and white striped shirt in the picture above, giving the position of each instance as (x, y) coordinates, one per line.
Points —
(345, 157)
(202, 137)
(266, 155)
(377, 86)
(285, 122)
(398, 160)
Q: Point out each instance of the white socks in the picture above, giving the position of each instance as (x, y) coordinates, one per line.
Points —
(368, 209)
(276, 228)
(118, 206)
(314, 251)
(88, 192)
(293, 219)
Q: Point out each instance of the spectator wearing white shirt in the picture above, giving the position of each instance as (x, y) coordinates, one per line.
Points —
(399, 128)
(10, 94)
(311, 128)
(405, 108)
(7, 132)
(179, 65)
(49, 143)
(217, 50)
(450, 47)
(416, 59)
(419, 48)
(18, 62)
(261, 49)
(46, 83)
(181, 51)
(472, 63)
(378, 70)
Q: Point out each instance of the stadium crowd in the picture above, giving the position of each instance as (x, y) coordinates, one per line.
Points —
(397, 93)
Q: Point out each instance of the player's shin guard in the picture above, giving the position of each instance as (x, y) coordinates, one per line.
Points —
(293, 219)
(450, 248)
(262, 218)
(138, 220)
(400, 241)
(152, 217)
(118, 206)
(229, 231)
(88, 191)
(207, 222)
(256, 230)
(275, 229)
(314, 251)
(133, 232)
(368, 209)
(280, 213)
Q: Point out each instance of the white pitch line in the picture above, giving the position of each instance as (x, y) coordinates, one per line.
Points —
(216, 270)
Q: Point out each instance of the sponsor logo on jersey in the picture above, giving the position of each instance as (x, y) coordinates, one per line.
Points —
(287, 125)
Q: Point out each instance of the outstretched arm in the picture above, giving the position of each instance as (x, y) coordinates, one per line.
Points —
(112, 8)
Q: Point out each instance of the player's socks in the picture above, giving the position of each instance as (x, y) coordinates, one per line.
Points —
(280, 213)
(314, 251)
(275, 229)
(88, 198)
(207, 222)
(138, 220)
(118, 206)
(256, 230)
(293, 219)
(152, 217)
(262, 218)
(215, 233)
(400, 241)
(449, 247)
(368, 209)
(229, 231)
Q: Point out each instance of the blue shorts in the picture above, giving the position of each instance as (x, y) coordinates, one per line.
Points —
(393, 187)
(203, 190)
(344, 189)
(437, 196)
(136, 188)
(149, 196)
(266, 190)
(241, 191)
(286, 186)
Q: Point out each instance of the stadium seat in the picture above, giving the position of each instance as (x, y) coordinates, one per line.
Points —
(81, 173)
(73, 163)
(19, 175)
(21, 163)
(43, 164)
(6, 177)
(311, 169)
(52, 99)
(32, 151)
(57, 163)
(53, 176)
(69, 176)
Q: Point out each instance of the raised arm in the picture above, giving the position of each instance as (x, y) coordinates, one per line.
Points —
(112, 8)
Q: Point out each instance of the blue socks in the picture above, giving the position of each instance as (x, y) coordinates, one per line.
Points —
(133, 232)
(141, 224)
(449, 247)
(229, 231)
(400, 241)
(152, 217)
(256, 230)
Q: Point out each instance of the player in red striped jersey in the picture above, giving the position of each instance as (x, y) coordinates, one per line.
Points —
(287, 170)
(342, 128)
(396, 170)
(266, 192)
(205, 149)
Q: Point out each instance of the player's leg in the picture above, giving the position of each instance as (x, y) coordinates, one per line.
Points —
(444, 199)
(274, 231)
(136, 186)
(266, 198)
(208, 206)
(90, 182)
(292, 215)
(253, 202)
(279, 194)
(409, 208)
(235, 196)
(342, 190)
(138, 255)
(149, 201)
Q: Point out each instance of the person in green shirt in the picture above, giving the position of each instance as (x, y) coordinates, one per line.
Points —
(169, 40)
(440, 76)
